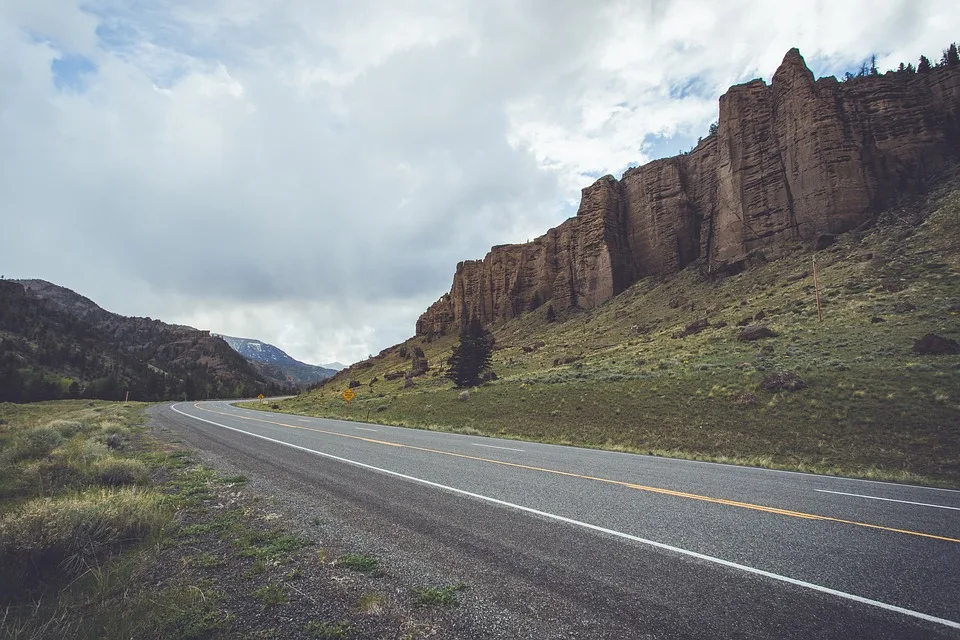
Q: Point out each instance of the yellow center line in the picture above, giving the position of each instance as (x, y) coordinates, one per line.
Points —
(630, 485)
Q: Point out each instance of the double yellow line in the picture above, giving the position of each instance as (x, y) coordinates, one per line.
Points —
(630, 485)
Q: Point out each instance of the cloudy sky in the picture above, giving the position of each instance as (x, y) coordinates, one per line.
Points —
(309, 172)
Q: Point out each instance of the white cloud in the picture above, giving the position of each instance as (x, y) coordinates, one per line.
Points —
(309, 173)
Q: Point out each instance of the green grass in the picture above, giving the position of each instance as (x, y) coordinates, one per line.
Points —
(82, 522)
(445, 596)
(270, 595)
(328, 631)
(871, 407)
(269, 546)
(359, 562)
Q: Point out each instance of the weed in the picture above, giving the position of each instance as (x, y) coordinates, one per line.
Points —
(270, 595)
(206, 561)
(328, 631)
(269, 546)
(370, 603)
(445, 596)
(359, 562)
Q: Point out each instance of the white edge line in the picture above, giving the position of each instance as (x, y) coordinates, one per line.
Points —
(725, 465)
(365, 429)
(490, 446)
(857, 495)
(586, 525)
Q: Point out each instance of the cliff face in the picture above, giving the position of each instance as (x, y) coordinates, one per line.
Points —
(792, 160)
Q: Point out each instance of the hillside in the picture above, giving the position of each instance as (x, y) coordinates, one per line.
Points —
(55, 343)
(276, 364)
(660, 367)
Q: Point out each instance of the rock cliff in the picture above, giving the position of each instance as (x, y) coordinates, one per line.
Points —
(790, 161)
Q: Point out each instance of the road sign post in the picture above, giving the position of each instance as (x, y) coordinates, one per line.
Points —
(347, 396)
(260, 398)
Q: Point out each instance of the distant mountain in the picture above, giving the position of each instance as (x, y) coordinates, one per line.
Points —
(56, 343)
(275, 363)
(336, 366)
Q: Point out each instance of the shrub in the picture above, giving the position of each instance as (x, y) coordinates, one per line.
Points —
(67, 428)
(119, 471)
(34, 444)
(114, 441)
(53, 536)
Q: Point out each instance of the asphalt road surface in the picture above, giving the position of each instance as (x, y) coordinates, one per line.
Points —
(650, 547)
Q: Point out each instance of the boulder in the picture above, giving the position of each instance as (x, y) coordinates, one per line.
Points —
(755, 332)
(936, 345)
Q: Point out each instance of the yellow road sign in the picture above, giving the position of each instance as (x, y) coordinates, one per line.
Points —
(349, 395)
(260, 397)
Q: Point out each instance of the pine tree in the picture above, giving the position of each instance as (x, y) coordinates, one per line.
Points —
(951, 55)
(471, 356)
(924, 65)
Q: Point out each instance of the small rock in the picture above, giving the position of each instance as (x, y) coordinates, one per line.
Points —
(766, 350)
(677, 302)
(745, 321)
(782, 380)
(877, 320)
(354, 384)
(798, 276)
(744, 399)
(891, 286)
(693, 328)
(755, 332)
(407, 383)
(936, 345)
(464, 396)
(760, 315)
(904, 307)
(720, 325)
(488, 376)
(954, 308)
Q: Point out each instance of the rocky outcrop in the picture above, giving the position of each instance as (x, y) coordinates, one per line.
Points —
(795, 160)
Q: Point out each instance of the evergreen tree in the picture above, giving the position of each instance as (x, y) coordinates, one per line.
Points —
(471, 356)
(924, 65)
(951, 56)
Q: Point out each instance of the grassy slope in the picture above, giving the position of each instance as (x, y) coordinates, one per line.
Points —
(106, 532)
(872, 408)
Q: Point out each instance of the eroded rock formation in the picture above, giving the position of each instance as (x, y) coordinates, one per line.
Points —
(792, 160)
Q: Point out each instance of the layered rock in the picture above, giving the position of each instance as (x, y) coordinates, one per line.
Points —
(790, 161)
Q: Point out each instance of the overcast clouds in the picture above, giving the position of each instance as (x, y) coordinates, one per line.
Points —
(309, 173)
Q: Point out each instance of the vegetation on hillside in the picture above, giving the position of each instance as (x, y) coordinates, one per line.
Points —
(49, 354)
(737, 369)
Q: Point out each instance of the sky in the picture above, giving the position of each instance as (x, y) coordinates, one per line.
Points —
(310, 172)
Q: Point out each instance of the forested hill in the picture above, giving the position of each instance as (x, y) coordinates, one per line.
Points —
(56, 344)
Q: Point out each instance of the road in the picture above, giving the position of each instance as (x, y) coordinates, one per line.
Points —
(633, 546)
